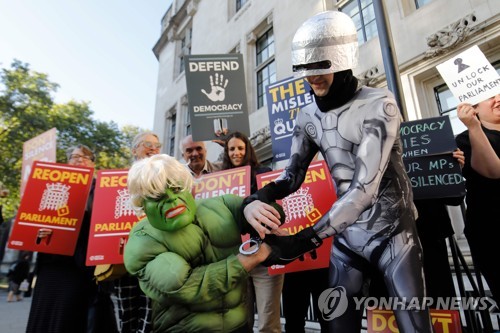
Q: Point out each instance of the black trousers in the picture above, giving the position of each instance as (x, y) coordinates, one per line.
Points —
(297, 291)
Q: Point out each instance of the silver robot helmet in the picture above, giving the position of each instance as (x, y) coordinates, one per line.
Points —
(325, 43)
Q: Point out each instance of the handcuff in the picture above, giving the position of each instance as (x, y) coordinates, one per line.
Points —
(252, 241)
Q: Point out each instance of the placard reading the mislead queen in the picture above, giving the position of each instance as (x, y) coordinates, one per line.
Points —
(285, 98)
(217, 95)
(470, 76)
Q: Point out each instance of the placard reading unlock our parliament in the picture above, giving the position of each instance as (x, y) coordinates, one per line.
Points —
(470, 77)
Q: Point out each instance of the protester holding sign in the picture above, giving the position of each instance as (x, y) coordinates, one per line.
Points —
(185, 252)
(263, 289)
(434, 226)
(65, 290)
(145, 144)
(238, 151)
(357, 132)
(433, 164)
(134, 307)
(481, 145)
(482, 122)
(195, 155)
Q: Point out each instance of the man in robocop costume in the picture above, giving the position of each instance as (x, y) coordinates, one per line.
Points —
(357, 131)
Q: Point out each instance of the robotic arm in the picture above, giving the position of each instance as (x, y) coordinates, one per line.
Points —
(373, 154)
(258, 213)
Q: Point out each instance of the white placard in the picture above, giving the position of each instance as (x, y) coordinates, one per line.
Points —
(470, 76)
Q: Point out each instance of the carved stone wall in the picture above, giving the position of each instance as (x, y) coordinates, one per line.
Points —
(450, 36)
(261, 136)
(370, 77)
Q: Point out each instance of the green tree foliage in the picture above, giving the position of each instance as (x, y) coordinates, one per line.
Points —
(27, 109)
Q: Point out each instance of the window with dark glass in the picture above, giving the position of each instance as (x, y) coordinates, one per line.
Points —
(185, 48)
(240, 4)
(188, 123)
(266, 66)
(420, 3)
(363, 15)
(171, 139)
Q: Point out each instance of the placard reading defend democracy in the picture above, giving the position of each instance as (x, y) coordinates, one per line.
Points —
(428, 145)
(217, 95)
(56, 197)
(303, 209)
(112, 218)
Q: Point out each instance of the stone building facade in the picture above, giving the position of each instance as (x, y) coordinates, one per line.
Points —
(424, 33)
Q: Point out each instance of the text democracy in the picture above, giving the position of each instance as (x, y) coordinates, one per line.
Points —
(420, 128)
(217, 108)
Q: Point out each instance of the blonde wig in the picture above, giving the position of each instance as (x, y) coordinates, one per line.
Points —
(149, 177)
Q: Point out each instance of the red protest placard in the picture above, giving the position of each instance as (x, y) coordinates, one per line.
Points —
(231, 181)
(384, 321)
(55, 198)
(304, 208)
(112, 218)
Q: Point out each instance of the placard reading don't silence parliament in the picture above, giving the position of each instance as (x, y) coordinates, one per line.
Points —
(428, 145)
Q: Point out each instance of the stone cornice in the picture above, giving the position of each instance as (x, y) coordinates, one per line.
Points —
(486, 34)
(188, 9)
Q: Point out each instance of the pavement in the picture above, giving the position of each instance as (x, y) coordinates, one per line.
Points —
(13, 315)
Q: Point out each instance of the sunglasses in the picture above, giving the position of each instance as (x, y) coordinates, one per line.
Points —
(149, 144)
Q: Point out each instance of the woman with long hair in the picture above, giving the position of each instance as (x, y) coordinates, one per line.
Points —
(238, 151)
(263, 289)
(481, 146)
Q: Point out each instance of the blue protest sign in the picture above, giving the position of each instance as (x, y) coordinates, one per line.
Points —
(285, 98)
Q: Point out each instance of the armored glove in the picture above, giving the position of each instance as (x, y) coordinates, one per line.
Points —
(285, 249)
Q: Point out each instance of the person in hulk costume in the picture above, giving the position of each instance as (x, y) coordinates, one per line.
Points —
(185, 252)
